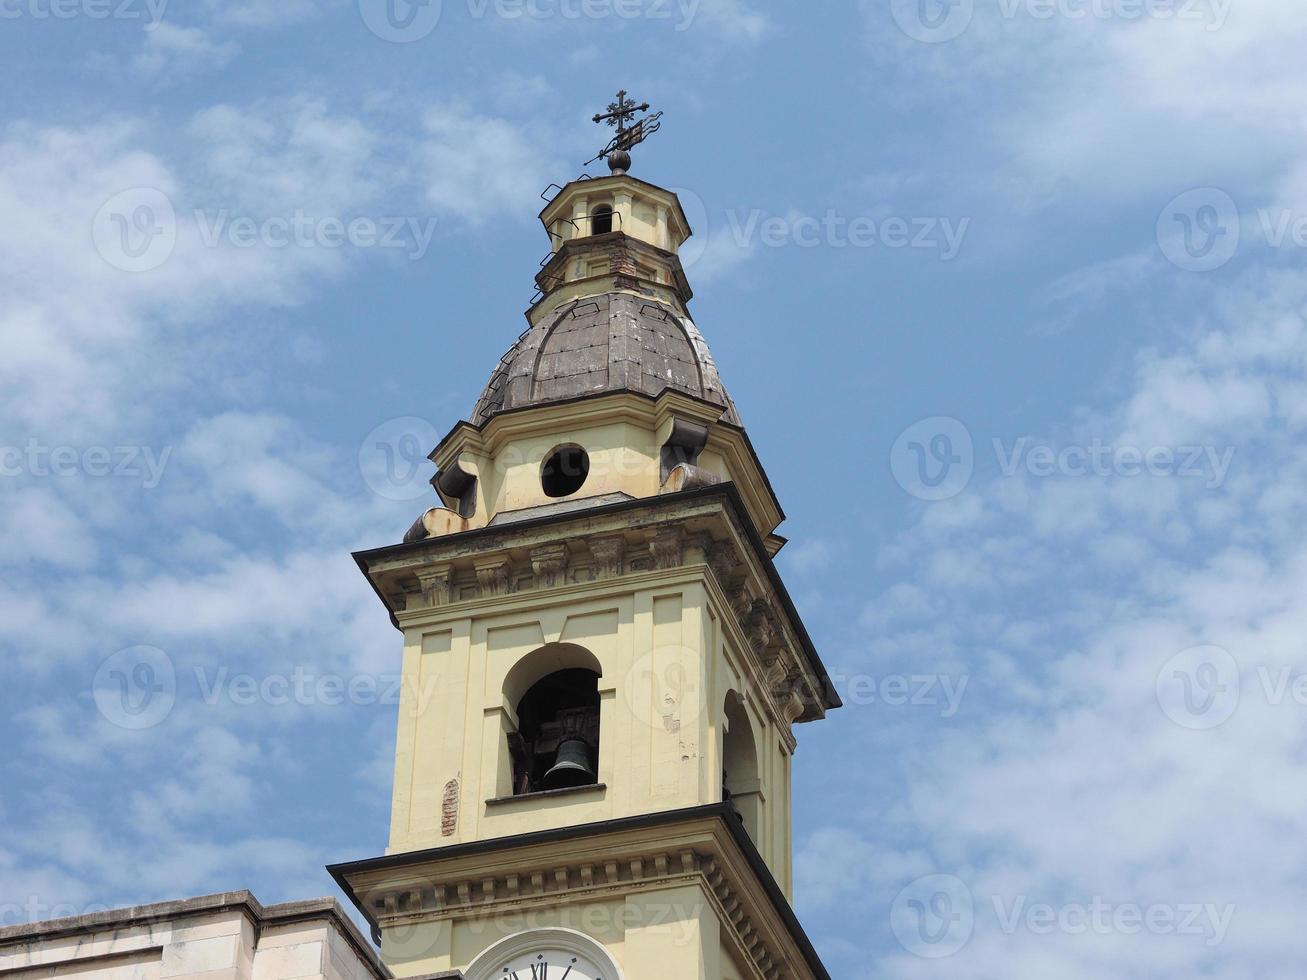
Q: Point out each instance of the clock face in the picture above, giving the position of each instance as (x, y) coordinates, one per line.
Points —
(550, 964)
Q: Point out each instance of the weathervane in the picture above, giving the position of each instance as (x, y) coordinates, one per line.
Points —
(620, 114)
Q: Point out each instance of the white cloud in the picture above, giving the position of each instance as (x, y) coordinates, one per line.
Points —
(170, 52)
(736, 20)
(479, 167)
(238, 558)
(1064, 779)
(265, 14)
(1122, 107)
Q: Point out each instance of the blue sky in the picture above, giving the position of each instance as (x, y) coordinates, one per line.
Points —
(1009, 294)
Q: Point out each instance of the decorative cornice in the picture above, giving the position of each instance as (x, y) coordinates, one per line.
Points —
(614, 858)
(462, 573)
(576, 561)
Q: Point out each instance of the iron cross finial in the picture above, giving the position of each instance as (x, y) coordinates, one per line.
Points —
(621, 114)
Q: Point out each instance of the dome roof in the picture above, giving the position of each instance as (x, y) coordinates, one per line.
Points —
(608, 343)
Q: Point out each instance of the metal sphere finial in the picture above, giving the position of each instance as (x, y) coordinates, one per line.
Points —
(619, 162)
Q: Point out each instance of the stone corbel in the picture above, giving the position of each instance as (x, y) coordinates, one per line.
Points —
(609, 555)
(549, 562)
(668, 546)
(762, 627)
(789, 696)
(722, 561)
(494, 575)
(437, 585)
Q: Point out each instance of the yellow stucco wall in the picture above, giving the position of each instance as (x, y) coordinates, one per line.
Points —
(666, 667)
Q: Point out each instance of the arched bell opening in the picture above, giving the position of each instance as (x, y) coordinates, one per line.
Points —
(556, 743)
(601, 221)
(741, 787)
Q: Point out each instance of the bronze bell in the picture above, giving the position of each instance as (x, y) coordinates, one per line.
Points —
(572, 767)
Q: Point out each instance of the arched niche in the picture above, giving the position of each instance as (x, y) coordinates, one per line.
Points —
(741, 786)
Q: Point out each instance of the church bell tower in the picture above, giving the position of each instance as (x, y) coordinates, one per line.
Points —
(603, 672)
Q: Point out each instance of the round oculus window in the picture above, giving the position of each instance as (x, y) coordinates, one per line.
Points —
(565, 471)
